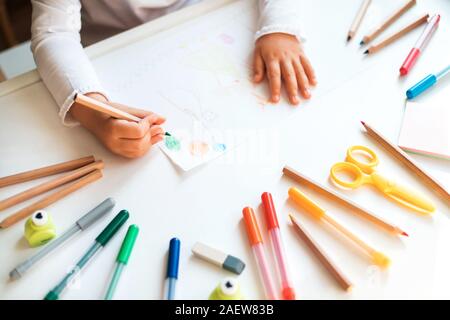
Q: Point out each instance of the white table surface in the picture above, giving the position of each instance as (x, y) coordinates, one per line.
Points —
(205, 204)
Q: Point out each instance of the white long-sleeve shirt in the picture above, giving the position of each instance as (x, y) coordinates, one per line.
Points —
(56, 41)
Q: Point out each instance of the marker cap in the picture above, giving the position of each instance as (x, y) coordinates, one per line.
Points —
(127, 244)
(251, 225)
(174, 257)
(305, 202)
(410, 61)
(421, 86)
(269, 210)
(112, 227)
(99, 211)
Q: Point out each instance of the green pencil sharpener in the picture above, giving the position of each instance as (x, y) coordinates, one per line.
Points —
(228, 289)
(39, 229)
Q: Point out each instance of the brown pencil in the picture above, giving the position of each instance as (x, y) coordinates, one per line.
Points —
(45, 171)
(52, 198)
(397, 35)
(358, 19)
(405, 159)
(49, 185)
(394, 17)
(94, 104)
(297, 176)
(323, 258)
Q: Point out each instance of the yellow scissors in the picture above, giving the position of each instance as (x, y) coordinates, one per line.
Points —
(364, 173)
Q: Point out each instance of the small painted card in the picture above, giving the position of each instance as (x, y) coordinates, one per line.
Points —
(189, 150)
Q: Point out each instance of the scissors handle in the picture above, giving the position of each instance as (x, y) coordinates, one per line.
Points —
(403, 195)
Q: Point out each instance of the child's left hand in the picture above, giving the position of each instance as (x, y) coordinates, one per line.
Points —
(281, 57)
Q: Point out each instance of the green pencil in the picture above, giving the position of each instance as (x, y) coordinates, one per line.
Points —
(122, 258)
(101, 240)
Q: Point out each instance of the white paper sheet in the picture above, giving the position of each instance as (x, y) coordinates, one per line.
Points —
(197, 75)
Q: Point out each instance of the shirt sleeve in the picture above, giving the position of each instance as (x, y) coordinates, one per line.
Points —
(60, 58)
(278, 16)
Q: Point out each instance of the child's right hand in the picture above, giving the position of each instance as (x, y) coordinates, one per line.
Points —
(122, 137)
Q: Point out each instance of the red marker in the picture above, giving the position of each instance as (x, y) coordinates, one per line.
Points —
(288, 292)
(420, 44)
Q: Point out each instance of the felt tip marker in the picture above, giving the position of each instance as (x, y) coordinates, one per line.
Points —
(80, 225)
(101, 241)
(172, 269)
(426, 83)
(288, 292)
(420, 44)
(254, 236)
(122, 258)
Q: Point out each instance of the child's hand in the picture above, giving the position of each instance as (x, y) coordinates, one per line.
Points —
(281, 56)
(125, 138)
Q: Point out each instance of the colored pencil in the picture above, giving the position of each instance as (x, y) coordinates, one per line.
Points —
(298, 177)
(405, 159)
(397, 35)
(358, 19)
(50, 185)
(394, 17)
(52, 198)
(45, 171)
(340, 278)
(94, 104)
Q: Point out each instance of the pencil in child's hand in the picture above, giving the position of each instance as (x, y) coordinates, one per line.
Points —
(99, 106)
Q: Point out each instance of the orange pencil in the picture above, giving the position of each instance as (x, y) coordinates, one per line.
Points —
(45, 171)
(394, 17)
(94, 104)
(417, 23)
(50, 199)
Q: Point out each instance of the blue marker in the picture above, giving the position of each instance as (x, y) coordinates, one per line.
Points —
(426, 83)
(172, 269)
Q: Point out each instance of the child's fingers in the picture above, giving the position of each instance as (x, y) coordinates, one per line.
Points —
(127, 129)
(156, 139)
(302, 79)
(258, 67)
(159, 120)
(274, 76)
(156, 130)
(135, 147)
(309, 70)
(290, 81)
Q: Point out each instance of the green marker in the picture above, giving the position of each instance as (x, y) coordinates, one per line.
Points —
(122, 258)
(101, 240)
